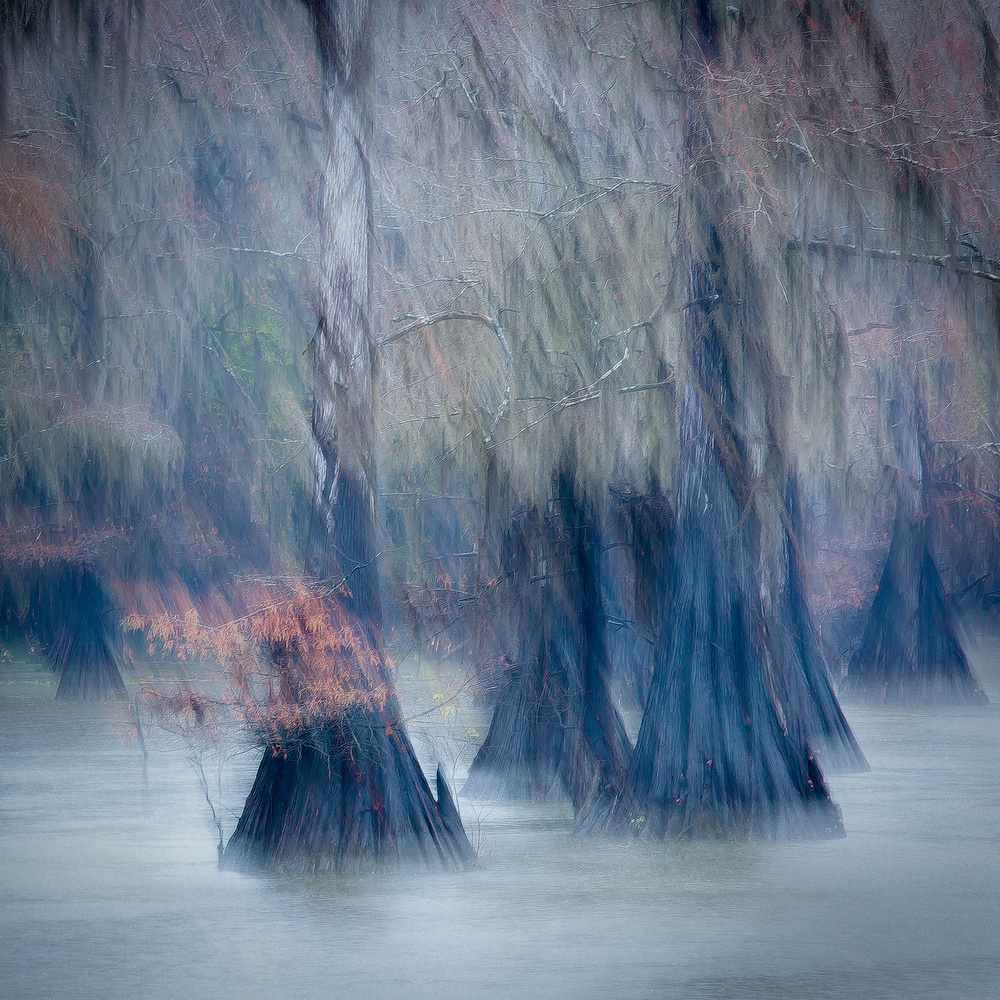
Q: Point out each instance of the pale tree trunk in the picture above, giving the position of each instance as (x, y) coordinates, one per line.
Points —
(342, 537)
(345, 791)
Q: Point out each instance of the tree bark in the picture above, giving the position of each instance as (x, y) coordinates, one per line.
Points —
(346, 792)
(910, 650)
(555, 730)
(717, 753)
(723, 751)
(86, 650)
(341, 544)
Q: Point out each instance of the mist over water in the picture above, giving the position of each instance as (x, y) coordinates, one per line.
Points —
(110, 887)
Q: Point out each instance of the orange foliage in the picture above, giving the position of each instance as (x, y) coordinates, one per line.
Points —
(36, 548)
(294, 657)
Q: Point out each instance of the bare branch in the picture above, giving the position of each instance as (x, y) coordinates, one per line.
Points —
(959, 264)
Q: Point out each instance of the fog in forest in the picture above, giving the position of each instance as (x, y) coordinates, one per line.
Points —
(499, 497)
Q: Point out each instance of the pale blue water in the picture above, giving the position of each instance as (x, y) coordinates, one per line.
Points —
(109, 885)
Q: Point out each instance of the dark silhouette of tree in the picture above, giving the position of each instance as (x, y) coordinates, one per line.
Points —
(86, 650)
(555, 729)
(644, 535)
(910, 650)
(739, 689)
(719, 753)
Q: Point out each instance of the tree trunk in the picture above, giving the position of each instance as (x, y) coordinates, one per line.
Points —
(724, 745)
(346, 792)
(910, 651)
(555, 730)
(86, 650)
(341, 544)
(806, 689)
(348, 796)
(717, 753)
(640, 585)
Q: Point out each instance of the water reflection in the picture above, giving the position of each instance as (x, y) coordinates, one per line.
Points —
(110, 886)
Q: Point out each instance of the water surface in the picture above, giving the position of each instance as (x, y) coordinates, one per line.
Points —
(109, 885)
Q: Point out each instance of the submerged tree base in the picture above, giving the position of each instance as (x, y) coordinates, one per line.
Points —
(910, 652)
(808, 814)
(87, 649)
(519, 760)
(555, 732)
(348, 796)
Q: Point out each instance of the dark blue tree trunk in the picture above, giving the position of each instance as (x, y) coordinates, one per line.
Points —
(555, 730)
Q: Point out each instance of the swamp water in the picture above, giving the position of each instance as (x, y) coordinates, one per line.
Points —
(109, 885)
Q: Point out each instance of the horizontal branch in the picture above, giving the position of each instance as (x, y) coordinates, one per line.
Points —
(647, 385)
(264, 252)
(422, 322)
(959, 264)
